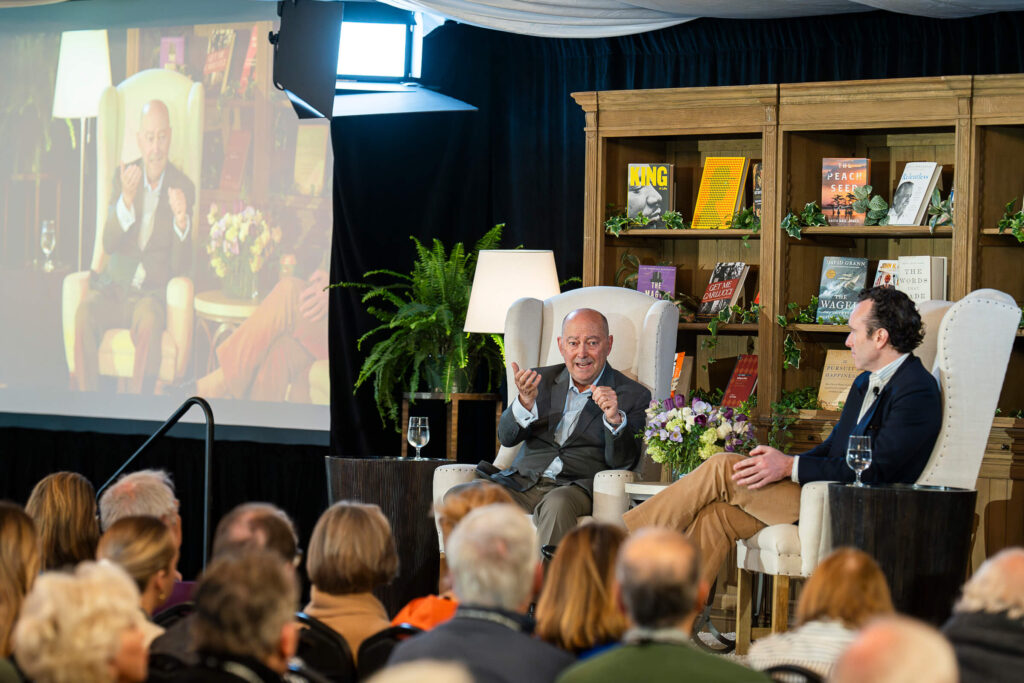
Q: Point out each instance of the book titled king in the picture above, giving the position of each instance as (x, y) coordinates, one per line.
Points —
(839, 178)
(842, 278)
(650, 192)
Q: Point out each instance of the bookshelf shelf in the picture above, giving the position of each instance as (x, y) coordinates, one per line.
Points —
(995, 231)
(689, 234)
(879, 231)
(725, 328)
(814, 328)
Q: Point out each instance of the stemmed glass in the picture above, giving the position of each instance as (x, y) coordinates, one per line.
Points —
(47, 242)
(418, 434)
(858, 455)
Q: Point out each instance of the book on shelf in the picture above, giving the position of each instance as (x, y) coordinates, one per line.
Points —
(218, 59)
(887, 274)
(657, 281)
(913, 193)
(842, 278)
(682, 374)
(237, 153)
(839, 177)
(172, 53)
(923, 277)
(757, 194)
(836, 378)
(724, 289)
(250, 59)
(310, 158)
(742, 383)
(720, 192)
(651, 192)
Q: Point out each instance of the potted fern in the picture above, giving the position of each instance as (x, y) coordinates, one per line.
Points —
(419, 344)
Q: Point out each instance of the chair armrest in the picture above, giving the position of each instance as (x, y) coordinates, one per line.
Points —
(610, 500)
(506, 454)
(815, 525)
(180, 318)
(72, 292)
(445, 477)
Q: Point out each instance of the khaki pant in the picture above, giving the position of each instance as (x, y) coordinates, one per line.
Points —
(715, 512)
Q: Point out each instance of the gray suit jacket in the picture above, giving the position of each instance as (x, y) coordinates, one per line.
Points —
(590, 449)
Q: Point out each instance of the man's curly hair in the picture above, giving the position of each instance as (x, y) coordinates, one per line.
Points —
(896, 313)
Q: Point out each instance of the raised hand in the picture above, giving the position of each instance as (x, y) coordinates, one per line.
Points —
(527, 382)
(608, 402)
(131, 178)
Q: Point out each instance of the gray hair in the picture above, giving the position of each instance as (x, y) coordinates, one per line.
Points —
(143, 493)
(896, 649)
(492, 556)
(998, 586)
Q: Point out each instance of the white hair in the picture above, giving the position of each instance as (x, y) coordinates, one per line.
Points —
(998, 586)
(896, 649)
(424, 671)
(71, 624)
(492, 556)
(143, 493)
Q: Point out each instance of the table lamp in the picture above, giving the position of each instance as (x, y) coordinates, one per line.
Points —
(502, 276)
(83, 73)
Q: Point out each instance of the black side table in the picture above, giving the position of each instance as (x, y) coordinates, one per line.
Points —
(920, 536)
(403, 488)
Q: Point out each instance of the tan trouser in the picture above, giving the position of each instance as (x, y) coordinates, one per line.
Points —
(714, 511)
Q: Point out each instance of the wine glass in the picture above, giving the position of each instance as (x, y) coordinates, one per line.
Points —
(858, 455)
(47, 242)
(419, 433)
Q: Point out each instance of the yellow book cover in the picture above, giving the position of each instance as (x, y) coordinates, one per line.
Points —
(836, 378)
(720, 193)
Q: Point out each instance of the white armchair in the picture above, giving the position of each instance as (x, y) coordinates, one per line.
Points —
(967, 344)
(644, 331)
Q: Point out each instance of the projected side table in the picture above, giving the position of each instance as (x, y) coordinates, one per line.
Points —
(219, 315)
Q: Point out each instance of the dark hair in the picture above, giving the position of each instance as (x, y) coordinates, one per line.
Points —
(894, 312)
(257, 524)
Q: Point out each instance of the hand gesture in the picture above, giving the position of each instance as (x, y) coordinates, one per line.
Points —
(608, 402)
(179, 206)
(131, 177)
(527, 382)
(764, 466)
(313, 299)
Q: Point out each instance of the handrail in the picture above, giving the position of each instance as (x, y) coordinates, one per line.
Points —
(207, 458)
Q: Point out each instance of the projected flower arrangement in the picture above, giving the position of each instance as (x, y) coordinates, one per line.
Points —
(240, 245)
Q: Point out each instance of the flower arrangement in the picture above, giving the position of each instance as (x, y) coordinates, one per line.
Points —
(683, 436)
(240, 245)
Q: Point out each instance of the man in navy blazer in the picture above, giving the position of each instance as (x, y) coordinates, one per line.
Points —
(895, 401)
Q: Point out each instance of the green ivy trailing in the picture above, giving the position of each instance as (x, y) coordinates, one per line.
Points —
(795, 313)
(620, 223)
(746, 219)
(941, 211)
(785, 412)
(874, 207)
(811, 216)
(674, 221)
(1014, 222)
(791, 353)
(726, 315)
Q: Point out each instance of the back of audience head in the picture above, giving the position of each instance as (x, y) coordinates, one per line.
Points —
(424, 671)
(997, 586)
(144, 547)
(848, 586)
(577, 609)
(897, 649)
(493, 559)
(82, 627)
(460, 501)
(245, 607)
(351, 550)
(659, 580)
(19, 564)
(260, 524)
(63, 507)
(146, 492)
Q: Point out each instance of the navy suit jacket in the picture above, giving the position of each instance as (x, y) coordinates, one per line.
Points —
(903, 425)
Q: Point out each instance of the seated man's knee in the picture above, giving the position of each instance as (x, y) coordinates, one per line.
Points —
(724, 460)
(562, 502)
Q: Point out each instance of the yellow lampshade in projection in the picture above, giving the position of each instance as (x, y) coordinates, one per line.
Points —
(83, 72)
(503, 276)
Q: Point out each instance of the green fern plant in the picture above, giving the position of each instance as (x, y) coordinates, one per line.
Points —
(420, 342)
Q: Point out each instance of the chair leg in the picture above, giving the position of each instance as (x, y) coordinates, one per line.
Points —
(743, 611)
(780, 603)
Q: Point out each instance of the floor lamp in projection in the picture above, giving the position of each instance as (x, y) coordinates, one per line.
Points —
(503, 276)
(83, 72)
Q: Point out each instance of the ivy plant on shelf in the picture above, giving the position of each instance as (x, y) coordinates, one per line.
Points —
(620, 223)
(1012, 222)
(795, 314)
(734, 313)
(785, 412)
(810, 216)
(873, 206)
(420, 343)
(940, 211)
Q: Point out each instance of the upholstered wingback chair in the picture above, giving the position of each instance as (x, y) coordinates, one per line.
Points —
(643, 348)
(119, 111)
(967, 345)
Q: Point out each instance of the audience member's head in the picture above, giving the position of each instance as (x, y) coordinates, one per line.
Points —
(144, 547)
(19, 564)
(848, 586)
(82, 627)
(424, 671)
(245, 607)
(461, 500)
(897, 649)
(351, 550)
(577, 609)
(261, 524)
(146, 492)
(997, 586)
(659, 580)
(493, 558)
(63, 507)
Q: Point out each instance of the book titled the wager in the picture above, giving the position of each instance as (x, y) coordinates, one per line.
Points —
(842, 278)
(839, 178)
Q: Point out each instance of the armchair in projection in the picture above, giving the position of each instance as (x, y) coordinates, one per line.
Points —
(967, 344)
(644, 332)
(120, 109)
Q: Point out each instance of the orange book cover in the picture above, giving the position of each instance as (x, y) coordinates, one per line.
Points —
(677, 370)
(742, 382)
(839, 177)
(720, 192)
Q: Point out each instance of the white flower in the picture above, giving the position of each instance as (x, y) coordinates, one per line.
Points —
(689, 422)
(687, 411)
(724, 430)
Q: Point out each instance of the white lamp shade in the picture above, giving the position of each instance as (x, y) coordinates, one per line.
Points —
(83, 72)
(502, 277)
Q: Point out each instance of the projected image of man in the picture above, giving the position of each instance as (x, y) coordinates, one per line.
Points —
(146, 239)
